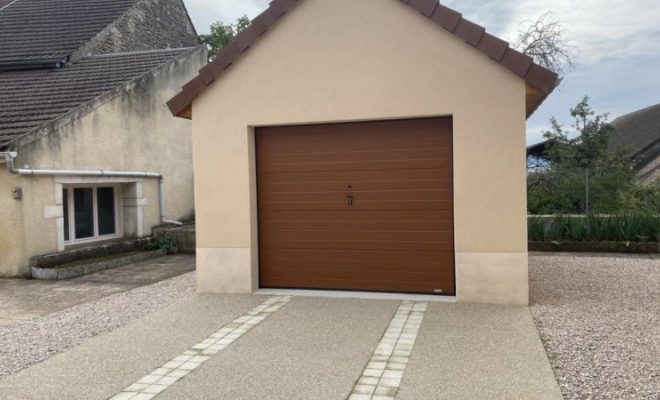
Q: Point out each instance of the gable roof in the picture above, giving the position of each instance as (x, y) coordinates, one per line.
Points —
(31, 98)
(540, 80)
(38, 32)
(637, 131)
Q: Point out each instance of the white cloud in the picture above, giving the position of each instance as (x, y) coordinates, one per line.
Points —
(206, 12)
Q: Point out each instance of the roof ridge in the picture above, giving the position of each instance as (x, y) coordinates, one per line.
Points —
(452, 21)
(632, 113)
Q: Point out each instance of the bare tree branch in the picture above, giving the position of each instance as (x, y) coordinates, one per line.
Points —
(544, 40)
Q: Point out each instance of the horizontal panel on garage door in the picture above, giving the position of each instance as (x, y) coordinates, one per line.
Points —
(357, 206)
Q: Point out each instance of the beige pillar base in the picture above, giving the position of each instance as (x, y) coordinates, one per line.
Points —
(228, 270)
(492, 278)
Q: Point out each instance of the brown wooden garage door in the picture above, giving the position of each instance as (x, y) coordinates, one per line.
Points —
(357, 206)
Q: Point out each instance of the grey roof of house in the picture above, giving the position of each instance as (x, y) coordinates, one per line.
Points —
(5, 3)
(637, 131)
(31, 98)
(49, 30)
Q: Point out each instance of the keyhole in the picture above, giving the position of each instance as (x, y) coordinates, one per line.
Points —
(349, 195)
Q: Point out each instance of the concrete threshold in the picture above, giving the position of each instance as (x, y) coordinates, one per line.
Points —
(340, 294)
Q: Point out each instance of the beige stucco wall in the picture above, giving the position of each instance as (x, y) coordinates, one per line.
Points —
(12, 245)
(130, 130)
(347, 60)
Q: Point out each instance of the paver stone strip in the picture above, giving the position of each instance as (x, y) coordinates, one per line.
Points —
(161, 378)
(381, 378)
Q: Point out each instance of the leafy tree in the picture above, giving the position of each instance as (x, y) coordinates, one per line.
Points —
(544, 39)
(589, 148)
(581, 163)
(222, 34)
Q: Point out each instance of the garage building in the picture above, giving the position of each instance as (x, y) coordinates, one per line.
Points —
(372, 145)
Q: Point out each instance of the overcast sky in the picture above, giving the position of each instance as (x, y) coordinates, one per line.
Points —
(618, 43)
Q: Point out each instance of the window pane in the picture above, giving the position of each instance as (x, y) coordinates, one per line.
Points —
(105, 200)
(65, 200)
(83, 212)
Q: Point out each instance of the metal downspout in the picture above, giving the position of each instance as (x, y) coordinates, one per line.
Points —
(9, 160)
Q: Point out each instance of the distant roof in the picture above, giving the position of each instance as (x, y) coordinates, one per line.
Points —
(50, 30)
(31, 98)
(637, 131)
(540, 78)
(537, 149)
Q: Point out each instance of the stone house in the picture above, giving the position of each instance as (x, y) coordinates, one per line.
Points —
(88, 150)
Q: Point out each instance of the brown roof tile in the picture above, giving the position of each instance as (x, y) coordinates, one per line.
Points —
(494, 47)
(469, 31)
(446, 17)
(262, 22)
(246, 38)
(449, 19)
(517, 62)
(541, 78)
(425, 7)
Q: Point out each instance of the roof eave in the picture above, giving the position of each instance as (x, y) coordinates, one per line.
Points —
(535, 97)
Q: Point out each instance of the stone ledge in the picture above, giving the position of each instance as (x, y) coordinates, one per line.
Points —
(79, 270)
(86, 253)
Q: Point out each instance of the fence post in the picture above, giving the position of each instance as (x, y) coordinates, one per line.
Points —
(586, 190)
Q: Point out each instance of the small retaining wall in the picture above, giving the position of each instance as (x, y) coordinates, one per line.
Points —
(70, 256)
(596, 247)
(83, 269)
(184, 236)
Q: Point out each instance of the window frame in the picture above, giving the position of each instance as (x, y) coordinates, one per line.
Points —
(70, 221)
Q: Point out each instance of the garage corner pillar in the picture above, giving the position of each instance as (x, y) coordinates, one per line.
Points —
(226, 223)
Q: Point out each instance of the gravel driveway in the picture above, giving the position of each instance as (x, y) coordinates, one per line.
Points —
(29, 342)
(599, 319)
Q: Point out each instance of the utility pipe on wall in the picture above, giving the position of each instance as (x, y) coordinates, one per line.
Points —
(9, 160)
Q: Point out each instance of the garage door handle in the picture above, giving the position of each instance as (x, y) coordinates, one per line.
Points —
(349, 197)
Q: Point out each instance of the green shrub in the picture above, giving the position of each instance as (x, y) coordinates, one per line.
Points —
(627, 227)
(611, 191)
(624, 227)
(599, 227)
(577, 229)
(535, 228)
(163, 242)
(557, 229)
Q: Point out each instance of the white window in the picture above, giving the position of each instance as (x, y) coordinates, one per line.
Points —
(91, 213)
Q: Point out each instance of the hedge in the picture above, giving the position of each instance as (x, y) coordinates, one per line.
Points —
(626, 227)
